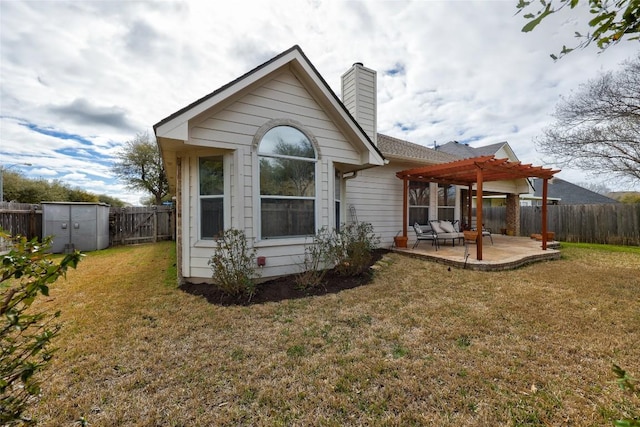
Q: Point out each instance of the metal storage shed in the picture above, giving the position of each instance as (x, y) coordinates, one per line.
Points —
(76, 226)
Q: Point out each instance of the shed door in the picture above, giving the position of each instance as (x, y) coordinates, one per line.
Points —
(57, 224)
(83, 227)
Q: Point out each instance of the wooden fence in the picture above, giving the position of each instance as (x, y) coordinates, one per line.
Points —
(20, 218)
(126, 225)
(133, 225)
(617, 224)
(611, 223)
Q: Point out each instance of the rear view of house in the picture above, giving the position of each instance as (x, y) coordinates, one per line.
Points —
(276, 154)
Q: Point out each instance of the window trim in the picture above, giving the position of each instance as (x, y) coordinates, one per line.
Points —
(257, 196)
(227, 165)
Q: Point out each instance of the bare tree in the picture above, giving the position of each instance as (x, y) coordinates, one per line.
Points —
(598, 127)
(139, 166)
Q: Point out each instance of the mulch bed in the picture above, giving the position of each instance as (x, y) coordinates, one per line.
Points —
(284, 288)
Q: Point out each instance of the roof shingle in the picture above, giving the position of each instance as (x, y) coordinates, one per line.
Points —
(398, 148)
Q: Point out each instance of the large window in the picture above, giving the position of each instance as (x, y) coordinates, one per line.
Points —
(446, 201)
(418, 202)
(287, 183)
(211, 181)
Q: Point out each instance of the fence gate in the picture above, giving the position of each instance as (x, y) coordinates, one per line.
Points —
(141, 224)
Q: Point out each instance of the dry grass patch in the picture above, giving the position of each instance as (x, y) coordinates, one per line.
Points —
(421, 345)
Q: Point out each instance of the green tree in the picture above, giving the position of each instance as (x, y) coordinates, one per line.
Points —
(611, 21)
(597, 128)
(24, 190)
(139, 166)
(26, 334)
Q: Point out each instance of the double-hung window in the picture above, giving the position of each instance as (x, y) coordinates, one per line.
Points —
(446, 201)
(287, 183)
(418, 202)
(211, 174)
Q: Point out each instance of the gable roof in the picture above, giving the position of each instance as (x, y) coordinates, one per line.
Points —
(570, 194)
(401, 149)
(466, 151)
(175, 126)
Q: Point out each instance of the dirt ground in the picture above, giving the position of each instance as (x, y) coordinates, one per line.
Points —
(284, 288)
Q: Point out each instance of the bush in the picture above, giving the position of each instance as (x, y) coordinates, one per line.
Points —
(318, 258)
(25, 335)
(353, 251)
(234, 264)
(347, 251)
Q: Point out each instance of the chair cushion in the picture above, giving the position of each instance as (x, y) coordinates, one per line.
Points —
(435, 226)
(447, 227)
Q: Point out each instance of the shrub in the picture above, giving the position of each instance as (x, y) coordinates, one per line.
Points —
(353, 251)
(25, 335)
(348, 251)
(318, 258)
(234, 264)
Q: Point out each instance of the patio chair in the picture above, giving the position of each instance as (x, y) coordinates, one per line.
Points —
(445, 230)
(485, 231)
(424, 233)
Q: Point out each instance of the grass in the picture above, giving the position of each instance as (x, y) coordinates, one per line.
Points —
(420, 345)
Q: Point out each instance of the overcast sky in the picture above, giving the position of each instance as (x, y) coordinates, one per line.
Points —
(79, 78)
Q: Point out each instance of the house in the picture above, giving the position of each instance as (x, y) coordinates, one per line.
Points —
(277, 154)
(565, 193)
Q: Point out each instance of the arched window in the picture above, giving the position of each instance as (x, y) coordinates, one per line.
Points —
(287, 183)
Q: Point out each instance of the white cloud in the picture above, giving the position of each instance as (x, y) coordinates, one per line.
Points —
(103, 71)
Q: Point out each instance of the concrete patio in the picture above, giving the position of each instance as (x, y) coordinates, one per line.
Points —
(506, 253)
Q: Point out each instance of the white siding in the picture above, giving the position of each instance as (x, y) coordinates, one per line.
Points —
(376, 195)
(233, 128)
(504, 187)
(359, 95)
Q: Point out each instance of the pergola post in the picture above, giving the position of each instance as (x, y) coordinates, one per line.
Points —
(405, 203)
(544, 213)
(469, 205)
(479, 197)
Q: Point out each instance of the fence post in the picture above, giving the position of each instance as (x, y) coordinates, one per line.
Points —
(32, 222)
(154, 224)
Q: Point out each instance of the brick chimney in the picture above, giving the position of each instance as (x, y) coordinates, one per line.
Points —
(359, 90)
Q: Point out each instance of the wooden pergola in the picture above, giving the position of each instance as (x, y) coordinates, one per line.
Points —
(477, 170)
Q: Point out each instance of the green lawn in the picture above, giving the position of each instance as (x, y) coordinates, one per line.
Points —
(420, 345)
